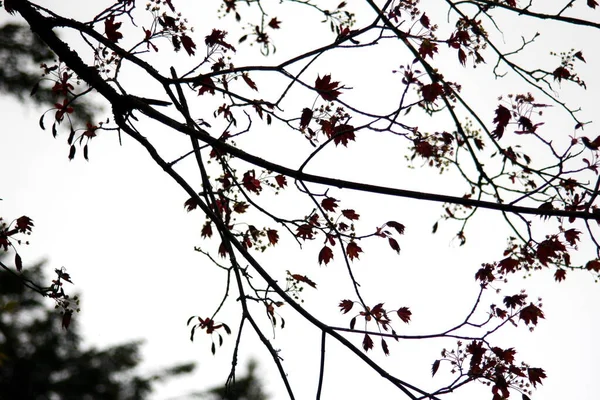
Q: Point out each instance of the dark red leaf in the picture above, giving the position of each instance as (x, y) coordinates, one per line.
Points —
(350, 214)
(346, 306)
(502, 118)
(560, 275)
(424, 20)
(302, 278)
(190, 204)
(515, 300)
(327, 89)
(251, 183)
(217, 37)
(249, 81)
(530, 314)
(394, 245)
(367, 343)
(384, 346)
(561, 73)
(188, 44)
(353, 250)
(24, 224)
(431, 92)
(18, 262)
(579, 56)
(397, 226)
(435, 367)
(273, 236)
(281, 180)
(536, 375)
(274, 23)
(329, 204)
(404, 314)
(305, 118)
(325, 255)
(66, 318)
(111, 29)
(206, 230)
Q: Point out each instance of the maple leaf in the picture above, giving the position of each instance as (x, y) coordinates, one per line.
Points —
(305, 118)
(206, 85)
(188, 44)
(509, 264)
(281, 181)
(579, 56)
(329, 204)
(515, 300)
(367, 343)
(397, 226)
(346, 306)
(549, 249)
(435, 367)
(111, 29)
(274, 23)
(222, 250)
(592, 3)
(485, 274)
(530, 314)
(24, 224)
(350, 214)
(424, 20)
(593, 265)
(302, 278)
(593, 144)
(477, 351)
(404, 314)
(561, 73)
(325, 255)
(190, 204)
(305, 231)
(502, 118)
(249, 81)
(572, 236)
(462, 57)
(251, 183)
(384, 347)
(394, 245)
(240, 207)
(66, 319)
(206, 230)
(273, 236)
(431, 92)
(427, 48)
(560, 275)
(353, 250)
(536, 375)
(327, 89)
(217, 37)
(342, 134)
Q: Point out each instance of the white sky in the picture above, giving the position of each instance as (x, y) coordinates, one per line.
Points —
(118, 225)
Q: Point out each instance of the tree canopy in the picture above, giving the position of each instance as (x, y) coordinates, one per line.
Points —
(312, 135)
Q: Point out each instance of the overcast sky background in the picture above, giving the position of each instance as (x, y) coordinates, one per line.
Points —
(118, 225)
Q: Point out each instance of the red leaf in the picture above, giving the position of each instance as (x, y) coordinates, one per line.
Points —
(240, 207)
(404, 314)
(188, 44)
(462, 57)
(342, 134)
(431, 92)
(325, 255)
(251, 183)
(329, 204)
(273, 236)
(350, 214)
(274, 23)
(507, 265)
(302, 278)
(190, 204)
(424, 20)
(592, 3)
(352, 322)
(217, 37)
(305, 231)
(560, 275)
(515, 301)
(327, 89)
(561, 73)
(24, 224)
(111, 28)
(353, 250)
(572, 236)
(367, 343)
(346, 306)
(281, 181)
(579, 56)
(593, 265)
(384, 346)
(502, 118)
(394, 245)
(536, 375)
(66, 318)
(305, 118)
(427, 48)
(530, 314)
(435, 367)
(249, 81)
(18, 262)
(206, 85)
(206, 230)
(397, 226)
(222, 250)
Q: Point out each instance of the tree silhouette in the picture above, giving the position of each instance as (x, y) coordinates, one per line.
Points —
(40, 360)
(359, 89)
